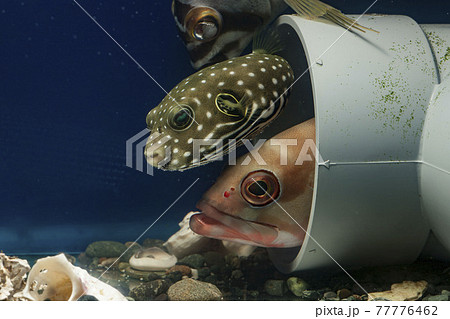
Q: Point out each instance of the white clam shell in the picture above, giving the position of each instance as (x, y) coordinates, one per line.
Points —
(55, 278)
(152, 259)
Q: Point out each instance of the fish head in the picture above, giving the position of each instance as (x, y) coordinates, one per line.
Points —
(260, 205)
(188, 126)
(214, 31)
(212, 111)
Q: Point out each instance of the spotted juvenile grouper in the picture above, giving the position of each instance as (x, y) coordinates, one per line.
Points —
(231, 100)
(217, 30)
(241, 206)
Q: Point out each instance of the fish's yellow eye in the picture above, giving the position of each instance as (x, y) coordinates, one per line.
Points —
(260, 188)
(203, 23)
(181, 117)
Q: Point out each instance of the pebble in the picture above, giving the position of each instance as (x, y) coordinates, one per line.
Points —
(437, 298)
(297, 286)
(213, 258)
(310, 295)
(87, 298)
(275, 287)
(194, 261)
(105, 249)
(142, 275)
(174, 276)
(193, 290)
(183, 269)
(344, 293)
(330, 295)
(149, 290)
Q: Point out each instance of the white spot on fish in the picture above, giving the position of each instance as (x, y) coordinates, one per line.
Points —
(263, 100)
(208, 114)
(224, 69)
(261, 86)
(190, 140)
(274, 67)
(284, 78)
(263, 70)
(274, 81)
(280, 65)
(244, 64)
(249, 93)
(221, 84)
(200, 127)
(240, 82)
(208, 137)
(275, 93)
(193, 89)
(261, 61)
(251, 74)
(209, 95)
(196, 100)
(183, 98)
(213, 74)
(203, 81)
(176, 140)
(232, 73)
(187, 154)
(175, 161)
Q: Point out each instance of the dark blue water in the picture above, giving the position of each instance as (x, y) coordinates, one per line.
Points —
(69, 100)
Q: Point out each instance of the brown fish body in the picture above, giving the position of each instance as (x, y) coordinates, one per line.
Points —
(231, 212)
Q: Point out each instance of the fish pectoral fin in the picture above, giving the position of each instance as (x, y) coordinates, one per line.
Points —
(229, 105)
(317, 9)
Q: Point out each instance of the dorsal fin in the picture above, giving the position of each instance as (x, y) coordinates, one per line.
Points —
(267, 41)
(315, 9)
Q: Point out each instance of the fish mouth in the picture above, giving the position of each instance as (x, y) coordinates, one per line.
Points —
(214, 223)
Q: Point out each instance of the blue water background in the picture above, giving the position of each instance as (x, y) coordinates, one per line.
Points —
(69, 100)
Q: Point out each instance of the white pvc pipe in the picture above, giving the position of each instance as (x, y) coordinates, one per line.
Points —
(370, 94)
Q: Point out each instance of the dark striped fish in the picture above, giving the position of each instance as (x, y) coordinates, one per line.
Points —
(217, 30)
(231, 100)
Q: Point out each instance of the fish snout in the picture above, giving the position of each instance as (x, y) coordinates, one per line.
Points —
(156, 155)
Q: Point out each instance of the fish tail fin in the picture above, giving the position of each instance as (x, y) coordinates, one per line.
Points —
(316, 8)
(267, 41)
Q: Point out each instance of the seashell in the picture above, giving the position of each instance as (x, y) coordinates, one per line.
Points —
(13, 272)
(185, 242)
(56, 279)
(152, 259)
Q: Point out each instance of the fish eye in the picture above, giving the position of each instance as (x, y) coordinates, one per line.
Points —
(181, 117)
(260, 188)
(203, 23)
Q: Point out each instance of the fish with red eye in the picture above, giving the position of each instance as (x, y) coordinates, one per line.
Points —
(262, 205)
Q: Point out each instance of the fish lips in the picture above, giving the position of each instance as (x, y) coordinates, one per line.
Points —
(214, 223)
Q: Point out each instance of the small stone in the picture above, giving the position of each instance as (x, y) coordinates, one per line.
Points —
(193, 290)
(236, 274)
(438, 298)
(149, 290)
(344, 293)
(330, 295)
(132, 243)
(311, 295)
(233, 261)
(162, 297)
(213, 258)
(105, 249)
(203, 273)
(129, 298)
(297, 286)
(142, 275)
(174, 276)
(183, 269)
(194, 261)
(87, 298)
(212, 279)
(405, 291)
(84, 260)
(445, 292)
(123, 266)
(275, 287)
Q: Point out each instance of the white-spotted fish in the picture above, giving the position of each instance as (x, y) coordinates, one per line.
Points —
(214, 30)
(241, 206)
(229, 101)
